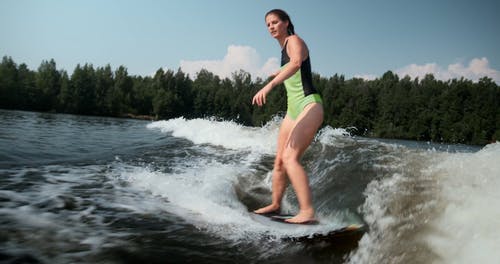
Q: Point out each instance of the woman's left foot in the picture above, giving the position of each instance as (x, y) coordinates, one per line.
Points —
(271, 209)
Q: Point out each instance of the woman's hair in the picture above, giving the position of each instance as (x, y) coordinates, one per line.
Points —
(283, 17)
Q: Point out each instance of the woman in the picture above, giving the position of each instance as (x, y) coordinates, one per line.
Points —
(304, 117)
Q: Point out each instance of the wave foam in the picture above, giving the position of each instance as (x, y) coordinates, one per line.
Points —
(443, 210)
(226, 133)
(467, 228)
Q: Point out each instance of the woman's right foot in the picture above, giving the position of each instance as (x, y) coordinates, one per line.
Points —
(270, 209)
(304, 217)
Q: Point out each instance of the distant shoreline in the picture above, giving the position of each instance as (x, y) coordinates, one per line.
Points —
(427, 109)
(140, 117)
(153, 118)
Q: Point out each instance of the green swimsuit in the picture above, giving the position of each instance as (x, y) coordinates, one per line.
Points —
(299, 88)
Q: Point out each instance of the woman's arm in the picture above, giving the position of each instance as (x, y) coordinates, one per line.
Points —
(297, 51)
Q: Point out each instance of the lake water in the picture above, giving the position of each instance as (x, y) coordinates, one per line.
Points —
(77, 189)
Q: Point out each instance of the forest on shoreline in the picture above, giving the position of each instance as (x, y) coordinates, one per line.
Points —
(453, 111)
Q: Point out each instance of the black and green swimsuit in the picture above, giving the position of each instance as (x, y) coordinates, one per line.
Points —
(299, 88)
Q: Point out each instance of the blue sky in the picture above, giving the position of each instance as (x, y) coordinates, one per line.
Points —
(356, 38)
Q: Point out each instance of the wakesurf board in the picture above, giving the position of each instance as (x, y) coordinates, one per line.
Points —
(322, 230)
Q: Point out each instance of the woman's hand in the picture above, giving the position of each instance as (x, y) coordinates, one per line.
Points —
(260, 97)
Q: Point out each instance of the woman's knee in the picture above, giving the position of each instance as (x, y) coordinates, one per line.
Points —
(289, 158)
(278, 164)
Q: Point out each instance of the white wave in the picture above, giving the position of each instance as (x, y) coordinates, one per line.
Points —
(207, 188)
(467, 228)
(332, 136)
(204, 195)
(231, 135)
(444, 210)
(222, 133)
(202, 191)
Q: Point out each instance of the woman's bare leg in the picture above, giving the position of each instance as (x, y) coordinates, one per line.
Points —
(300, 138)
(279, 179)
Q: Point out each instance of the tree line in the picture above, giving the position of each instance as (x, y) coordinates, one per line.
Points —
(453, 111)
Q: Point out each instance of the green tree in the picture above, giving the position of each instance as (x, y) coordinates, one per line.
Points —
(330, 93)
(65, 97)
(104, 83)
(183, 91)
(48, 85)
(482, 111)
(453, 103)
(387, 123)
(142, 102)
(82, 99)
(26, 94)
(173, 92)
(204, 87)
(8, 83)
(120, 95)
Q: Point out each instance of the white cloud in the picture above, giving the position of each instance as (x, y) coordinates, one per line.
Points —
(237, 58)
(476, 69)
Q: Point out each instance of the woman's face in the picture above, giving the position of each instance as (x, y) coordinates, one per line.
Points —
(276, 26)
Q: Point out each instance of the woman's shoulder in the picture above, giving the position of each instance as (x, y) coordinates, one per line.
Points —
(295, 38)
(296, 42)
